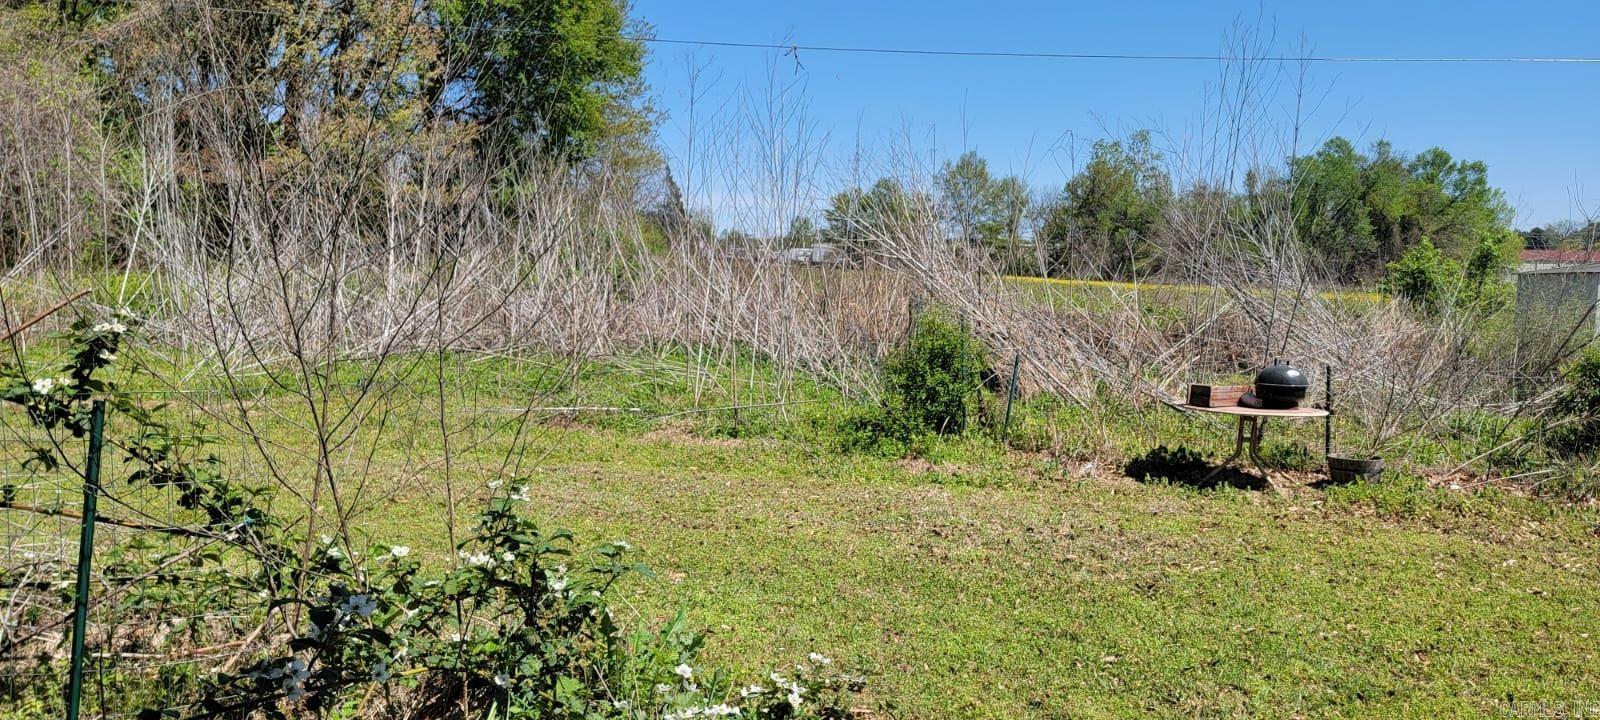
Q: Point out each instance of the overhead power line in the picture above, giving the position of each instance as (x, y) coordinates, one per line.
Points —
(1117, 56)
(1049, 55)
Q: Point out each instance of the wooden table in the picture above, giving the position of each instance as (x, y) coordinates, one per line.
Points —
(1252, 424)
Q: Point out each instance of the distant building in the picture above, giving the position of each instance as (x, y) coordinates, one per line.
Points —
(1558, 290)
(819, 254)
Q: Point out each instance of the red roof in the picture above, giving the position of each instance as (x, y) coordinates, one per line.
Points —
(1561, 257)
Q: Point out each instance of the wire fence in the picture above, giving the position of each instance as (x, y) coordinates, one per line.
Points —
(168, 601)
(156, 614)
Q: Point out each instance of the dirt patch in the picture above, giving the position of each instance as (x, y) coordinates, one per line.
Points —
(920, 466)
(682, 433)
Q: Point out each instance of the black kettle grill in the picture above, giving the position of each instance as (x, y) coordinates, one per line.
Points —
(1281, 385)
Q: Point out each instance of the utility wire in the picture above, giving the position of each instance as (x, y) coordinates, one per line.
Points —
(870, 50)
(1117, 56)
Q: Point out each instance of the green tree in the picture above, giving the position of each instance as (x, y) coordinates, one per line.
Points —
(1357, 212)
(560, 75)
(1330, 207)
(1424, 276)
(978, 208)
(857, 217)
(802, 232)
(1108, 211)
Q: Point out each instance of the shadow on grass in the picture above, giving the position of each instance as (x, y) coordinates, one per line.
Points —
(1328, 483)
(1182, 466)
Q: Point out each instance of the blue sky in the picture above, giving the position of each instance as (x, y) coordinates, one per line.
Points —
(1534, 124)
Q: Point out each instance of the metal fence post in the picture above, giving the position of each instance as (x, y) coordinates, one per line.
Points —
(1011, 394)
(80, 601)
(1327, 404)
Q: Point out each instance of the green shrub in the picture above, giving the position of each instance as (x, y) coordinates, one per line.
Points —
(1434, 282)
(930, 386)
(1423, 276)
(929, 382)
(873, 430)
(1578, 408)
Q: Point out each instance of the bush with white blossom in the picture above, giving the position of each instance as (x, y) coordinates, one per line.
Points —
(520, 624)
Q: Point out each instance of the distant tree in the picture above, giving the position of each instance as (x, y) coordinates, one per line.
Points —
(1108, 211)
(1423, 276)
(560, 75)
(979, 209)
(1330, 207)
(857, 217)
(665, 208)
(1359, 212)
(802, 233)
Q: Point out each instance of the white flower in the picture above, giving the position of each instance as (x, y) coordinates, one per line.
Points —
(752, 690)
(622, 544)
(44, 385)
(108, 356)
(721, 709)
(503, 680)
(508, 556)
(495, 484)
(359, 604)
(684, 671)
(663, 688)
(380, 673)
(794, 696)
(477, 559)
(558, 583)
(399, 551)
(622, 704)
(114, 327)
(325, 538)
(818, 659)
(521, 493)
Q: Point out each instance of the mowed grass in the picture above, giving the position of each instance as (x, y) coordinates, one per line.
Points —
(1006, 589)
(976, 582)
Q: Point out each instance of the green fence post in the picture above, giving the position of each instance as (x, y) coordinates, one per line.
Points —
(1011, 394)
(80, 601)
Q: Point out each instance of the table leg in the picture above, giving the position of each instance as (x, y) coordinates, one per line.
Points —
(1259, 429)
(1241, 436)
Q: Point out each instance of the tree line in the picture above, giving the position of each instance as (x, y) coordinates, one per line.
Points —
(1355, 212)
(374, 85)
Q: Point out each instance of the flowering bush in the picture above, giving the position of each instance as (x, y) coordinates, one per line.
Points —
(521, 626)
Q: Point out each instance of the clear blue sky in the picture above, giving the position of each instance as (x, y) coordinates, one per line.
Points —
(1537, 126)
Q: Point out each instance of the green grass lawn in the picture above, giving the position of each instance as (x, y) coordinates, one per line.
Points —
(1004, 588)
(977, 582)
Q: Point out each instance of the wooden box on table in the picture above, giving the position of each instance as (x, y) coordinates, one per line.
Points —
(1204, 395)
